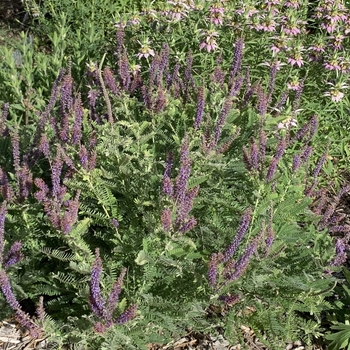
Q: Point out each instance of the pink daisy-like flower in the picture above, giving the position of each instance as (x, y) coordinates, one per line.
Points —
(210, 42)
(296, 60)
(335, 95)
(294, 84)
(295, 57)
(335, 92)
(145, 50)
(178, 10)
(267, 25)
(292, 4)
(333, 64)
(287, 123)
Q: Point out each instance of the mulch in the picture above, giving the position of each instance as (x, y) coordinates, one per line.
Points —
(15, 337)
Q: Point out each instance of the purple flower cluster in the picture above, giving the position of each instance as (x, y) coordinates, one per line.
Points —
(104, 309)
(232, 269)
(62, 214)
(179, 194)
(22, 317)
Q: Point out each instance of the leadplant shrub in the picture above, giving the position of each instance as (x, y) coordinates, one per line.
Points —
(160, 183)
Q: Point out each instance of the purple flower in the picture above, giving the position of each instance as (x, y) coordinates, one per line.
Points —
(96, 301)
(56, 169)
(66, 93)
(166, 219)
(7, 291)
(273, 72)
(169, 164)
(296, 162)
(71, 215)
(109, 79)
(281, 102)
(281, 146)
(24, 319)
(3, 212)
(44, 146)
(78, 121)
(262, 100)
(92, 161)
(83, 156)
(270, 236)
(161, 100)
(52, 101)
(221, 122)
(14, 255)
(243, 261)
(237, 58)
(254, 155)
(200, 107)
(167, 186)
(188, 78)
(127, 315)
(319, 165)
(6, 189)
(114, 295)
(15, 150)
(188, 225)
(272, 169)
(236, 87)
(213, 270)
(340, 250)
(185, 207)
(184, 172)
(245, 221)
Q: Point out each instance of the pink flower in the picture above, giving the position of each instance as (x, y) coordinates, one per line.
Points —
(178, 10)
(295, 57)
(333, 64)
(209, 43)
(296, 60)
(145, 50)
(287, 123)
(335, 91)
(292, 3)
(294, 84)
(336, 96)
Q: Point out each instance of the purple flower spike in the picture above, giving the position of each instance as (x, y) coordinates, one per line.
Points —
(44, 147)
(247, 216)
(3, 212)
(14, 255)
(7, 291)
(237, 57)
(166, 219)
(56, 170)
(272, 169)
(200, 107)
(96, 301)
(319, 165)
(243, 261)
(213, 270)
(114, 295)
(127, 315)
(184, 172)
(78, 122)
